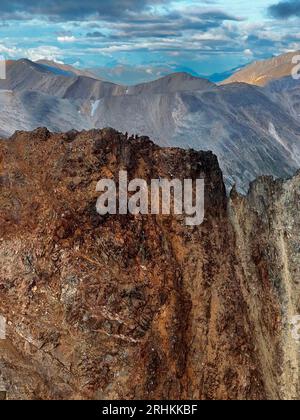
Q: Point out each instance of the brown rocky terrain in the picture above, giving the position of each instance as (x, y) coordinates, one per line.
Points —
(142, 307)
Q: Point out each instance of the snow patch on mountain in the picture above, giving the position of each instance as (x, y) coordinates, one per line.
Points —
(94, 107)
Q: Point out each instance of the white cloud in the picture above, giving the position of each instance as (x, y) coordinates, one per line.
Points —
(10, 52)
(46, 52)
(248, 53)
(66, 38)
(209, 37)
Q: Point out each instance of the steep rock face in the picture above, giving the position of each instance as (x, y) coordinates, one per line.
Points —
(141, 307)
(267, 225)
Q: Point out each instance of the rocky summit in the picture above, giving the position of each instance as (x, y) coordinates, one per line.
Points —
(142, 307)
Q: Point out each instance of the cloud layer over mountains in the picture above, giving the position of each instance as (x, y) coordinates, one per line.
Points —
(203, 36)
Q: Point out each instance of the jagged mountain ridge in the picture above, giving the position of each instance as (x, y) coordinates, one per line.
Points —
(142, 307)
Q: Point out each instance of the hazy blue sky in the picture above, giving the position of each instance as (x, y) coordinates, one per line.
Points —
(150, 35)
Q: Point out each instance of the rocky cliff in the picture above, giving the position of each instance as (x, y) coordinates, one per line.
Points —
(142, 307)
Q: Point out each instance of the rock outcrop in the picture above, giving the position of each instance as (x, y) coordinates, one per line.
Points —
(142, 307)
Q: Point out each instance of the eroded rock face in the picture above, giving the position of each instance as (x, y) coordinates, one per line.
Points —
(267, 225)
(141, 307)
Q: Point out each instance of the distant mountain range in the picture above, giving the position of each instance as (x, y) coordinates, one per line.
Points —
(254, 130)
(260, 73)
